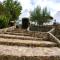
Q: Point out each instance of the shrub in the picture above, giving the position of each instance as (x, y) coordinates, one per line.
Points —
(3, 21)
(40, 15)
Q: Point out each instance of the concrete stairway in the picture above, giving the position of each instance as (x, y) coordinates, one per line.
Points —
(17, 46)
(9, 39)
(29, 43)
(19, 37)
(29, 53)
(25, 33)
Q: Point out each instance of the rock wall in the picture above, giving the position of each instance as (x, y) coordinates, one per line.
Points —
(41, 28)
(7, 29)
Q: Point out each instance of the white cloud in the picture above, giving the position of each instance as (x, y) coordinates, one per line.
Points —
(31, 4)
(26, 5)
(1, 0)
(53, 5)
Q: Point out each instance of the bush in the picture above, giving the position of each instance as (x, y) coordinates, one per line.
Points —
(40, 16)
(3, 21)
(14, 8)
(10, 10)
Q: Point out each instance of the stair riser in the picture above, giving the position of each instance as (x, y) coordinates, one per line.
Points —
(30, 58)
(27, 35)
(31, 34)
(21, 34)
(21, 38)
(27, 45)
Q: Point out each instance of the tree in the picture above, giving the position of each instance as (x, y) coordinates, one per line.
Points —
(4, 21)
(40, 15)
(9, 11)
(1, 8)
(4, 16)
(14, 8)
(35, 15)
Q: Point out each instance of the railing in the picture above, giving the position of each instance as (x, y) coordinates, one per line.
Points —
(52, 37)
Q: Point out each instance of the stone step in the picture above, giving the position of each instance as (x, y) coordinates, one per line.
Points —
(29, 43)
(26, 34)
(28, 53)
(22, 34)
(19, 37)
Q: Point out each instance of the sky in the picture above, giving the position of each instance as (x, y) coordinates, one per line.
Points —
(52, 5)
(28, 5)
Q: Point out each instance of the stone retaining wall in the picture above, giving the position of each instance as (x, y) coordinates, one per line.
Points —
(7, 29)
(41, 28)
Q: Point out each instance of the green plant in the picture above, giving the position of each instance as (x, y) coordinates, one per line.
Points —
(14, 8)
(3, 21)
(40, 15)
(9, 11)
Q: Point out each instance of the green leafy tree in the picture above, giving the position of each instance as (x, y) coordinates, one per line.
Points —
(9, 11)
(4, 21)
(35, 15)
(2, 9)
(14, 8)
(4, 16)
(40, 15)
